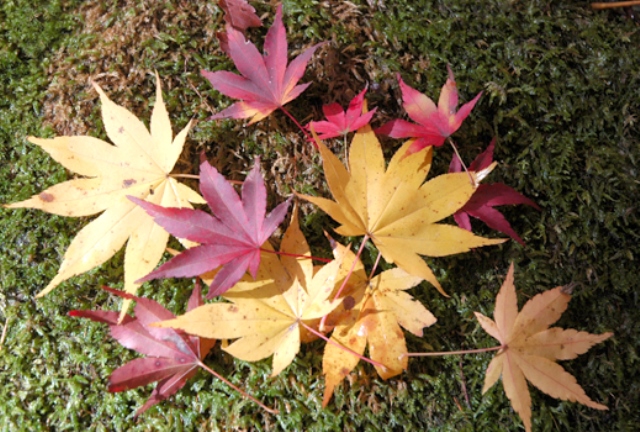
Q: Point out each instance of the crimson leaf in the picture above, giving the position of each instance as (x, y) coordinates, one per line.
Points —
(487, 196)
(231, 239)
(173, 356)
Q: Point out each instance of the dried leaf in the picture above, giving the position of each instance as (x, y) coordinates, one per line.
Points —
(530, 348)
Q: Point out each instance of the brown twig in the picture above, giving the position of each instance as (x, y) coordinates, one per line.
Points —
(612, 5)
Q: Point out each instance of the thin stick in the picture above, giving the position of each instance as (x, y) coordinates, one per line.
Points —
(619, 4)
(331, 341)
(4, 332)
(455, 149)
(304, 131)
(324, 260)
(444, 353)
(242, 392)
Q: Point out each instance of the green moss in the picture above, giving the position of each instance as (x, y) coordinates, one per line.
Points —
(561, 93)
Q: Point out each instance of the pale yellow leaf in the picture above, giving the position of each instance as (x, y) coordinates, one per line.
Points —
(137, 165)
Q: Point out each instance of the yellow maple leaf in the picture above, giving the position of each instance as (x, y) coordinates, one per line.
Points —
(530, 348)
(380, 307)
(393, 207)
(268, 317)
(139, 165)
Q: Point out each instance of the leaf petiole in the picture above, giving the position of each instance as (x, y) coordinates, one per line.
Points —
(324, 260)
(455, 149)
(304, 131)
(444, 353)
(239, 390)
(331, 341)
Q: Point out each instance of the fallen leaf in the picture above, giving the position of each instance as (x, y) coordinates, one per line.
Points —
(139, 165)
(339, 122)
(271, 319)
(379, 308)
(393, 207)
(435, 124)
(172, 357)
(231, 238)
(239, 14)
(530, 348)
(487, 196)
(266, 82)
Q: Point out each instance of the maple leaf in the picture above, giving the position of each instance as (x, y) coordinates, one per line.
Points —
(339, 122)
(487, 196)
(139, 165)
(435, 124)
(393, 208)
(172, 359)
(269, 319)
(530, 348)
(239, 14)
(380, 306)
(231, 238)
(267, 83)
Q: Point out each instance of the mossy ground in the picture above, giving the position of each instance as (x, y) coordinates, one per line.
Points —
(561, 92)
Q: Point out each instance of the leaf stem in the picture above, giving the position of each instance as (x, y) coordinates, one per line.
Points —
(324, 260)
(353, 266)
(455, 149)
(323, 321)
(331, 341)
(375, 265)
(239, 390)
(304, 131)
(444, 353)
(189, 176)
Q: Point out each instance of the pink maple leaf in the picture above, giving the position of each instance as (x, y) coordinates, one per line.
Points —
(239, 14)
(339, 122)
(435, 124)
(232, 238)
(173, 357)
(266, 82)
(487, 196)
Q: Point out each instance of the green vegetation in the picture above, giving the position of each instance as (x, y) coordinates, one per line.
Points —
(561, 92)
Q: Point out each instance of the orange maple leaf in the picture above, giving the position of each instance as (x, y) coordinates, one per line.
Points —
(530, 348)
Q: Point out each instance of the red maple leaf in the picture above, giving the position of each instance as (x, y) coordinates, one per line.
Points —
(339, 122)
(239, 14)
(231, 239)
(266, 83)
(173, 356)
(487, 196)
(435, 124)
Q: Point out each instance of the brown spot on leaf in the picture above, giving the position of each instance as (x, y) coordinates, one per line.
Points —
(344, 371)
(120, 129)
(233, 308)
(128, 182)
(348, 303)
(46, 197)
